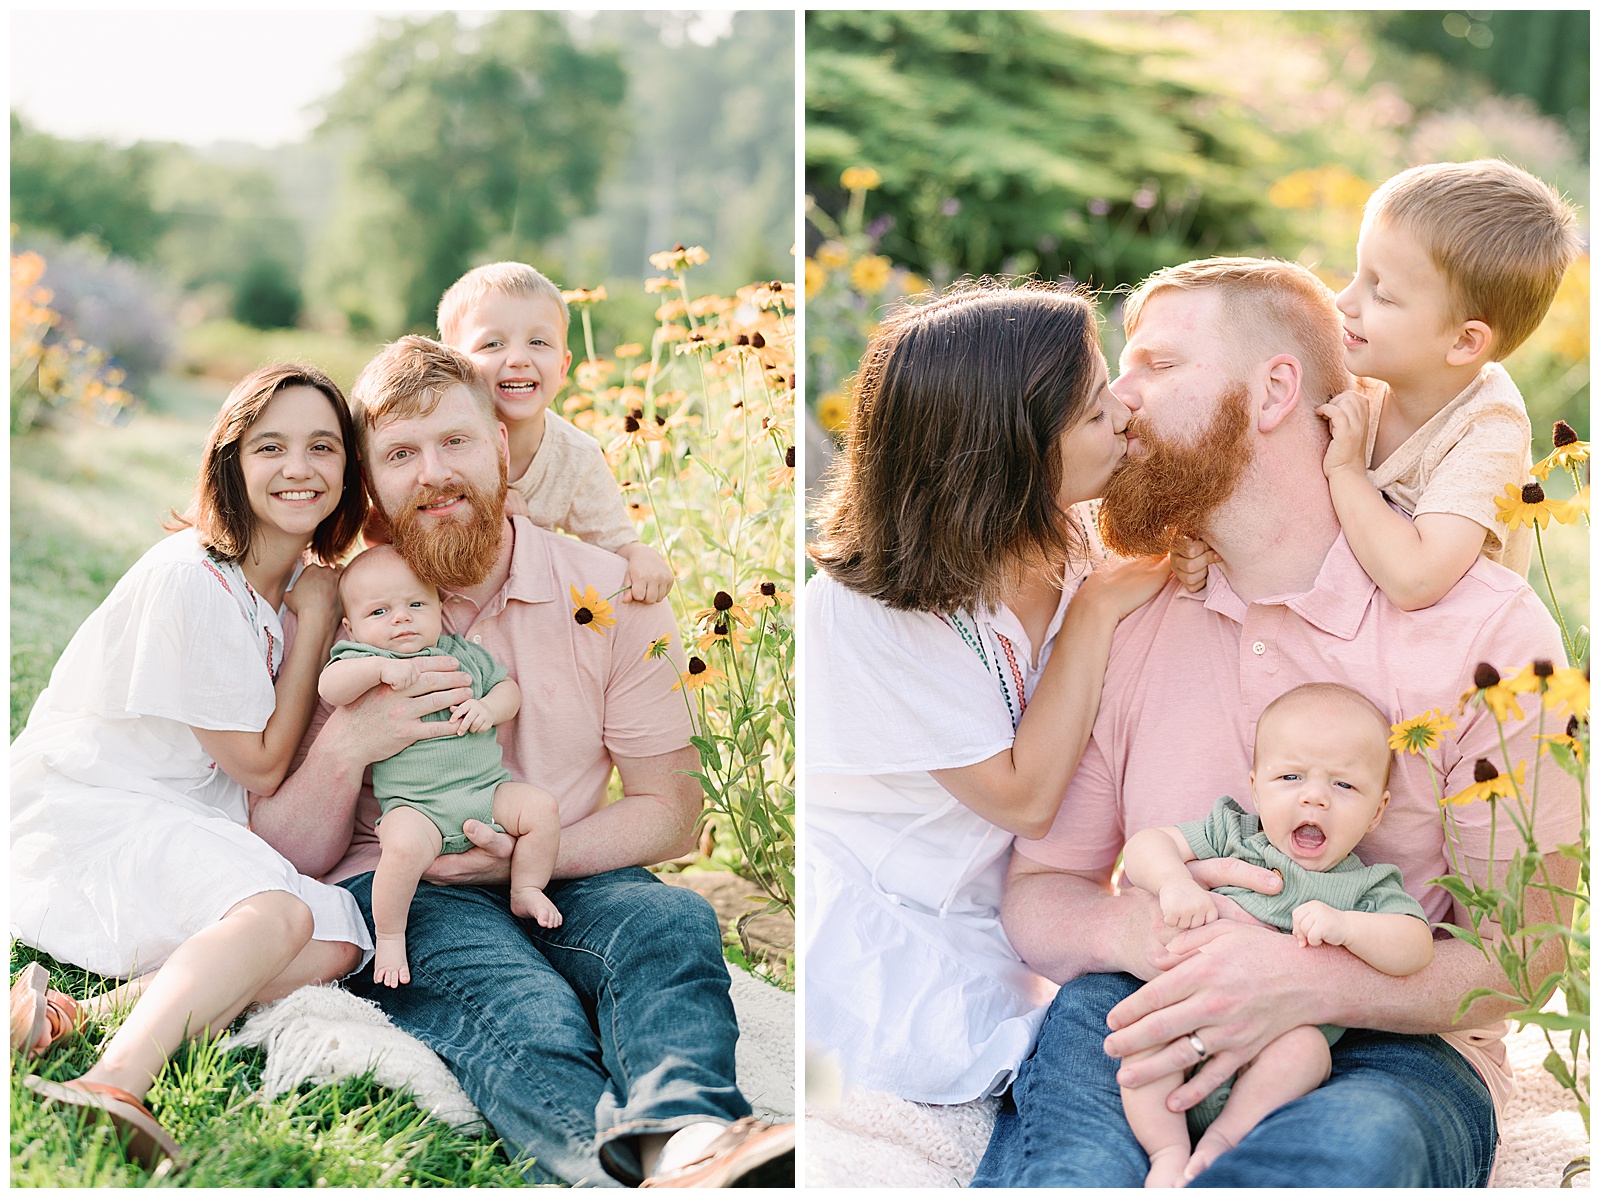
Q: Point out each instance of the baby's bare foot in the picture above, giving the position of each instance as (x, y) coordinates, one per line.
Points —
(389, 965)
(1166, 1168)
(1211, 1146)
(532, 903)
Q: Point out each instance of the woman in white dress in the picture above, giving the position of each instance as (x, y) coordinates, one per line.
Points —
(131, 854)
(952, 598)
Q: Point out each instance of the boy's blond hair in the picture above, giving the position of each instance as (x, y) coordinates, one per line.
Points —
(1273, 307)
(508, 278)
(1501, 238)
(1333, 693)
(408, 379)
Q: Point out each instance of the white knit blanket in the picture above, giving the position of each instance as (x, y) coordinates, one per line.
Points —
(872, 1139)
(322, 1034)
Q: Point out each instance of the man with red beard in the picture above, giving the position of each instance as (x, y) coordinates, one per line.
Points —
(602, 1049)
(1225, 364)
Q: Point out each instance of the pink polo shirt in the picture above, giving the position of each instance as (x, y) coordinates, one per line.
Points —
(1190, 674)
(587, 697)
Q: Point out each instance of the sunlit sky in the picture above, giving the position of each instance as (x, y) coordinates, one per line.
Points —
(192, 77)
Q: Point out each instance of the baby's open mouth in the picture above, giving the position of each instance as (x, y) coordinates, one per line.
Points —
(1309, 838)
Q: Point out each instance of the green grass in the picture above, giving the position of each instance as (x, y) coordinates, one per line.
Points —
(351, 1133)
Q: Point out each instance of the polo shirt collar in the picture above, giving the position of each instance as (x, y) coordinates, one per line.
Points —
(531, 578)
(1336, 603)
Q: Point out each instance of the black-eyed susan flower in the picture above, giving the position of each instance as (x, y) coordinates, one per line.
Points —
(679, 257)
(631, 349)
(832, 254)
(722, 608)
(636, 431)
(697, 675)
(1567, 740)
(870, 274)
(658, 648)
(1420, 732)
(860, 178)
(1496, 695)
(833, 411)
(767, 594)
(782, 475)
(591, 611)
(583, 296)
(816, 277)
(1528, 505)
(720, 632)
(1569, 452)
(658, 284)
(1488, 784)
(1570, 687)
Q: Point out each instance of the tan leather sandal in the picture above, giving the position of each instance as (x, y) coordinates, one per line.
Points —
(750, 1153)
(41, 1017)
(144, 1140)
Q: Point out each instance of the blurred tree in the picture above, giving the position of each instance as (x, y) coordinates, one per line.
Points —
(85, 188)
(268, 297)
(461, 137)
(1009, 142)
(1543, 54)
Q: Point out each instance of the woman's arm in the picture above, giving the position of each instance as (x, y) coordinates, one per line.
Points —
(1020, 789)
(259, 761)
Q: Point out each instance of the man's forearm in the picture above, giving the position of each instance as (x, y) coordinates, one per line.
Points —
(1105, 928)
(635, 830)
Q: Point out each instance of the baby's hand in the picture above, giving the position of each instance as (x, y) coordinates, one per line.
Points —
(471, 716)
(1346, 414)
(1185, 905)
(1190, 557)
(649, 577)
(1317, 923)
(516, 502)
(400, 674)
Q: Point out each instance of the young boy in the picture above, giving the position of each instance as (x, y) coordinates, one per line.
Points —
(512, 322)
(1456, 265)
(1319, 784)
(428, 790)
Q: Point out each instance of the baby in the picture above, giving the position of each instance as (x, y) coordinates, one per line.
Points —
(428, 790)
(1319, 784)
(512, 322)
(1457, 264)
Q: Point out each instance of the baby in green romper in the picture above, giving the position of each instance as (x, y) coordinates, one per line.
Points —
(1319, 784)
(429, 790)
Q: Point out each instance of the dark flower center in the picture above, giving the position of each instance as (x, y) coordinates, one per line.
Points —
(661, 420)
(1482, 771)
(1543, 668)
(757, 340)
(769, 588)
(583, 615)
(1564, 434)
(1572, 727)
(1485, 676)
(723, 601)
(720, 628)
(629, 424)
(788, 457)
(1532, 493)
(742, 340)
(696, 666)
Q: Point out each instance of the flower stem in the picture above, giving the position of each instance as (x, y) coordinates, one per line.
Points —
(1555, 605)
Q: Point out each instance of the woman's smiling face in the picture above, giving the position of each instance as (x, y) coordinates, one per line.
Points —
(292, 459)
(1093, 447)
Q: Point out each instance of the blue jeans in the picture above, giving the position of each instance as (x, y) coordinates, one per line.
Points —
(1398, 1111)
(572, 1040)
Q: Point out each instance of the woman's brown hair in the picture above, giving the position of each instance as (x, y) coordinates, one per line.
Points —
(220, 511)
(945, 494)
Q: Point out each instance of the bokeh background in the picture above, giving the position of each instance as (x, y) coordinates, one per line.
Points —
(1097, 147)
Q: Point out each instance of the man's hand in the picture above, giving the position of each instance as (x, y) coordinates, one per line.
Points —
(380, 723)
(1346, 414)
(487, 863)
(1237, 987)
(1317, 923)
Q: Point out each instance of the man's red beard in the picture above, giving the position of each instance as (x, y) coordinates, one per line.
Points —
(451, 553)
(1175, 487)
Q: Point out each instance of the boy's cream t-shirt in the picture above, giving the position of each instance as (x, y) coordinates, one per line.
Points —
(569, 487)
(1464, 457)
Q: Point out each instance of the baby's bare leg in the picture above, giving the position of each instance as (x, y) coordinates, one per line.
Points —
(410, 843)
(1290, 1067)
(531, 815)
(1163, 1134)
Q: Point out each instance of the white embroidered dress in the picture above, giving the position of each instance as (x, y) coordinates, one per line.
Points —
(911, 984)
(126, 837)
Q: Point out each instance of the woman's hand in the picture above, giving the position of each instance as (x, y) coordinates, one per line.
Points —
(1126, 586)
(314, 598)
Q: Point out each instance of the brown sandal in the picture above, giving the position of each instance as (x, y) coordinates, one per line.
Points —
(41, 1017)
(144, 1139)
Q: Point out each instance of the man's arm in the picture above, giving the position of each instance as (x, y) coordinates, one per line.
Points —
(1240, 988)
(654, 821)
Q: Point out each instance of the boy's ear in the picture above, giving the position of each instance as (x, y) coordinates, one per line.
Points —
(1473, 343)
(1283, 380)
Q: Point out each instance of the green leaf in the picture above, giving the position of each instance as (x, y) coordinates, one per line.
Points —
(1461, 933)
(1553, 1021)
(1556, 1067)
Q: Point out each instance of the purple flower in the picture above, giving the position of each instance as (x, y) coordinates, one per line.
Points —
(877, 227)
(950, 207)
(1099, 207)
(1144, 198)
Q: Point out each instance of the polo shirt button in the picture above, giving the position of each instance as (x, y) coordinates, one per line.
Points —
(1258, 648)
(477, 640)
